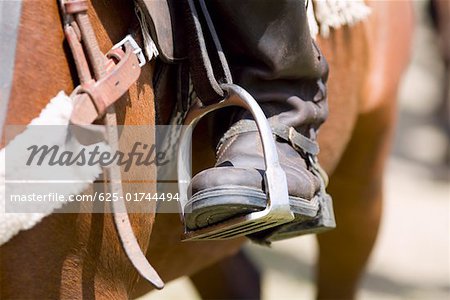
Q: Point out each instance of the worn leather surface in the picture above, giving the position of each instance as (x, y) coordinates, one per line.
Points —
(272, 56)
(240, 162)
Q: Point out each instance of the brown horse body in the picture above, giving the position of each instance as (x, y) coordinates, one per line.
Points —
(79, 255)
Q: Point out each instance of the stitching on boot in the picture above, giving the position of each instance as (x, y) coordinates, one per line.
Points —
(226, 147)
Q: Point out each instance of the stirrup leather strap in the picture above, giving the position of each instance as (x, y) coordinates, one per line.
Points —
(184, 33)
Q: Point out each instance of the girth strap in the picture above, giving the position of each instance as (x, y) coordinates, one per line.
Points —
(108, 89)
(113, 75)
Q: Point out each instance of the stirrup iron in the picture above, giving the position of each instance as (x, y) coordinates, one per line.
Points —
(277, 209)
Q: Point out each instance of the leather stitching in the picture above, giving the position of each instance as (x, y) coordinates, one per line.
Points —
(226, 147)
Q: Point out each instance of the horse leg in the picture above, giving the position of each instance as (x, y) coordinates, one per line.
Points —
(356, 184)
(356, 187)
(220, 281)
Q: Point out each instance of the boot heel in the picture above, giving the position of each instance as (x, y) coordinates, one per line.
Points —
(323, 221)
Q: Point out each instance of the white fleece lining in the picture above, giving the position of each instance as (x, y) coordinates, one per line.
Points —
(324, 15)
(57, 112)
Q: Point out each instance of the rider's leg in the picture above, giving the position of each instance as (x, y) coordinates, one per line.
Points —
(271, 55)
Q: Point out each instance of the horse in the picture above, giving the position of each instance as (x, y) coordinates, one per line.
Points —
(79, 255)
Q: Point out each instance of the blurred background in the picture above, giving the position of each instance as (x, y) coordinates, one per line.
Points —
(411, 259)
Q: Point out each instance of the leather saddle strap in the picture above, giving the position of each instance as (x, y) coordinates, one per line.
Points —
(184, 34)
(75, 16)
(207, 63)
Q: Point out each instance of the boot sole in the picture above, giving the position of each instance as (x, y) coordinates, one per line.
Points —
(217, 204)
(324, 221)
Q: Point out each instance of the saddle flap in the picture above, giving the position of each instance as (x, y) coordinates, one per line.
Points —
(166, 30)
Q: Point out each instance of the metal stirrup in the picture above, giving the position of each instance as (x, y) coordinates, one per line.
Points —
(277, 210)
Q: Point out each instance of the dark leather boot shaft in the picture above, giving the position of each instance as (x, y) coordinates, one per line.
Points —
(272, 55)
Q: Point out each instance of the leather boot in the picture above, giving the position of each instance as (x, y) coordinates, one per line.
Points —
(272, 56)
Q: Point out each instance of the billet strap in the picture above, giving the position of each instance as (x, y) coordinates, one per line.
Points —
(10, 12)
(92, 98)
(113, 75)
(287, 133)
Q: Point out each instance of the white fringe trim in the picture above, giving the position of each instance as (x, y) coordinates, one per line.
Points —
(57, 112)
(323, 15)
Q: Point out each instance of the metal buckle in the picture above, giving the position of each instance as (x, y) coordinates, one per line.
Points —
(136, 49)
